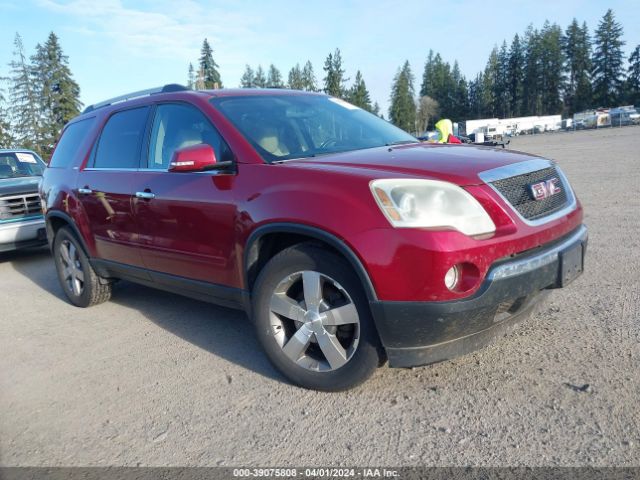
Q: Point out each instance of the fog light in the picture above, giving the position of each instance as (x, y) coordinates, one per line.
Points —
(451, 277)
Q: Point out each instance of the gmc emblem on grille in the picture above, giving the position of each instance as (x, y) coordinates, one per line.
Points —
(546, 189)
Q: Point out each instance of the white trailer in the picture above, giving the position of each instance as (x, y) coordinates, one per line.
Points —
(514, 126)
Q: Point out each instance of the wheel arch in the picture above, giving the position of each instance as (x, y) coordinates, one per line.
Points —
(55, 220)
(260, 246)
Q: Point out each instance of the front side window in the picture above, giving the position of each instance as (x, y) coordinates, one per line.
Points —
(121, 140)
(177, 126)
(20, 164)
(282, 127)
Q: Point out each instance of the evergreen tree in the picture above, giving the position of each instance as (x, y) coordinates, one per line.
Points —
(274, 77)
(248, 78)
(633, 78)
(376, 110)
(5, 128)
(209, 68)
(191, 77)
(402, 111)
(490, 86)
(309, 78)
(551, 68)
(442, 84)
(462, 100)
(515, 76)
(259, 80)
(503, 103)
(295, 78)
(532, 73)
(359, 95)
(460, 94)
(334, 82)
(583, 97)
(56, 91)
(577, 51)
(199, 84)
(608, 61)
(427, 88)
(25, 117)
(476, 107)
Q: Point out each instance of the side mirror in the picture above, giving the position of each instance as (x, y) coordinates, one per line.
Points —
(194, 158)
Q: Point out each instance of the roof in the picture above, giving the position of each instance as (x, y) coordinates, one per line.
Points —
(174, 88)
(17, 150)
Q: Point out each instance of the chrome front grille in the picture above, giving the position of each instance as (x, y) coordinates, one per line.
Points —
(516, 191)
(16, 206)
(513, 183)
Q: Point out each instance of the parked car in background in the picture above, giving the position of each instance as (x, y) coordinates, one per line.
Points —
(345, 239)
(21, 219)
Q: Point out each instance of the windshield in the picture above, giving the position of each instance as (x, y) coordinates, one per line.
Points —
(282, 127)
(20, 164)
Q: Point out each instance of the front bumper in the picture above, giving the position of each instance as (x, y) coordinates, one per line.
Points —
(419, 333)
(25, 233)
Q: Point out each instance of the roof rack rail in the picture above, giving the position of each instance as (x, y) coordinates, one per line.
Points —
(171, 87)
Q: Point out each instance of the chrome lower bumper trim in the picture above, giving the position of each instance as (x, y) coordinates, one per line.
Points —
(528, 264)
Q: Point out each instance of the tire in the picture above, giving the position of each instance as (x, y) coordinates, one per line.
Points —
(295, 309)
(81, 284)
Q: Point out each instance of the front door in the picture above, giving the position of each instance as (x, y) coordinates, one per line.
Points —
(186, 220)
(105, 187)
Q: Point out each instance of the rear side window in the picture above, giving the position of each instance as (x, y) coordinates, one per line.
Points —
(121, 139)
(70, 142)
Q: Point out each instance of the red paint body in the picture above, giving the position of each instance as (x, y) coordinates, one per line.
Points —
(198, 224)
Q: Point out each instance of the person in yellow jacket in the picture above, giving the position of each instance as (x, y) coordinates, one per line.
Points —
(445, 129)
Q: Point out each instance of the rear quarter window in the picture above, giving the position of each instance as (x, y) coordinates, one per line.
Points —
(69, 144)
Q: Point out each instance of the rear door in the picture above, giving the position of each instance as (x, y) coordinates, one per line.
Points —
(105, 188)
(186, 222)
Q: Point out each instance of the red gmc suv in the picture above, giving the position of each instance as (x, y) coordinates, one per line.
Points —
(346, 240)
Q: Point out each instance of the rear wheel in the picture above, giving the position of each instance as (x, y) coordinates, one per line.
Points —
(313, 319)
(80, 282)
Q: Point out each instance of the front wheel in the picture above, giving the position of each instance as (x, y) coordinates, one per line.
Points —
(313, 319)
(80, 282)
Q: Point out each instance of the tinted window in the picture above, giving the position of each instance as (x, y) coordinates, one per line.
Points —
(70, 142)
(298, 126)
(119, 144)
(20, 164)
(177, 126)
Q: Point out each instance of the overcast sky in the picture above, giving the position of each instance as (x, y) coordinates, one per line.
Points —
(118, 46)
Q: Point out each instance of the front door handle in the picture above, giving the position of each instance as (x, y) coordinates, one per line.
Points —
(85, 191)
(145, 195)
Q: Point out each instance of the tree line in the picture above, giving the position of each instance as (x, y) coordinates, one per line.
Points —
(542, 71)
(42, 97)
(299, 78)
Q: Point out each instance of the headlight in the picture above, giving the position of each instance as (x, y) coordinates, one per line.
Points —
(422, 203)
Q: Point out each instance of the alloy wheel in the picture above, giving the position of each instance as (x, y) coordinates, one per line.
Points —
(72, 272)
(314, 321)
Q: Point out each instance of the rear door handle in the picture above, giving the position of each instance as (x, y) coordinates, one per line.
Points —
(85, 191)
(146, 195)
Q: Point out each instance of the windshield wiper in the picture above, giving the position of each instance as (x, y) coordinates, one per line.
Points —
(401, 142)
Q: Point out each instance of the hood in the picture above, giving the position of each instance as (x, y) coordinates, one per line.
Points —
(458, 164)
(16, 186)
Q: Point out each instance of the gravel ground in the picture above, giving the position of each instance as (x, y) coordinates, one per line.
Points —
(155, 379)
